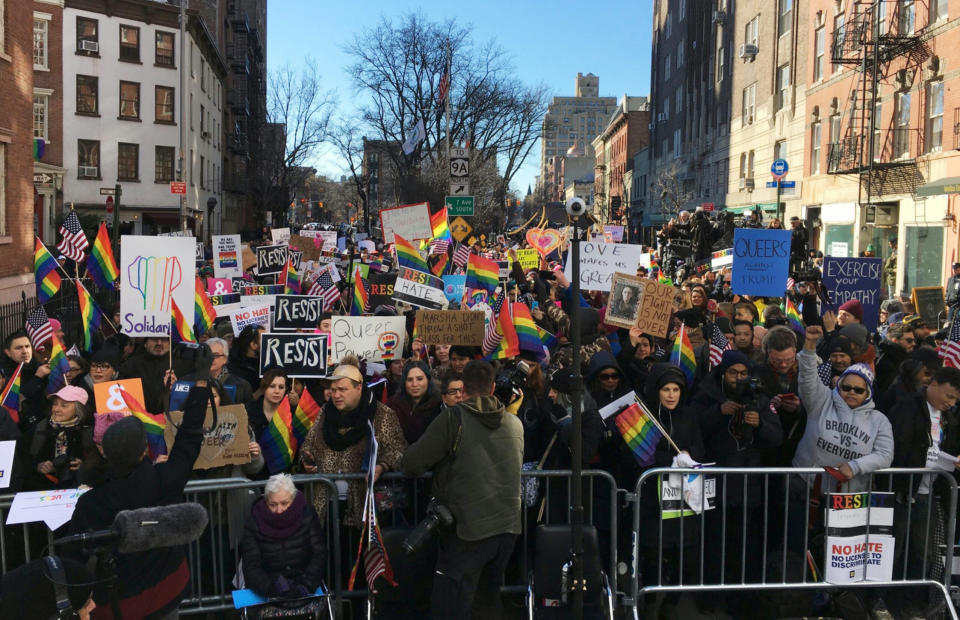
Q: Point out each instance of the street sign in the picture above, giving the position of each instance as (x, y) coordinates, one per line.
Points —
(460, 228)
(708, 206)
(779, 168)
(107, 191)
(460, 188)
(459, 163)
(771, 183)
(109, 204)
(178, 187)
(788, 184)
(459, 205)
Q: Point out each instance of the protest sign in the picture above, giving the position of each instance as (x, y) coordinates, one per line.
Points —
(107, 395)
(271, 259)
(693, 487)
(181, 389)
(528, 259)
(721, 258)
(328, 239)
(849, 548)
(199, 257)
(228, 443)
(280, 236)
(225, 304)
(51, 507)
(248, 258)
(419, 289)
(297, 312)
(453, 286)
(381, 289)
(295, 257)
(599, 261)
(367, 245)
(624, 300)
(455, 327)
(855, 278)
(305, 244)
(250, 315)
(300, 355)
(412, 222)
(226, 255)
(930, 304)
(237, 284)
(503, 269)
(613, 232)
(761, 261)
(7, 449)
(153, 272)
(656, 306)
(219, 286)
(369, 337)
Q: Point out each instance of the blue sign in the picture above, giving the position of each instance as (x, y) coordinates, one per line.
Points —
(855, 278)
(779, 167)
(761, 262)
(453, 287)
(771, 183)
(178, 394)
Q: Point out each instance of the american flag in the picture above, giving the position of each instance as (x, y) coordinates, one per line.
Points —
(718, 344)
(825, 372)
(439, 246)
(492, 338)
(325, 288)
(38, 327)
(375, 561)
(949, 349)
(443, 87)
(790, 284)
(461, 255)
(74, 243)
(496, 302)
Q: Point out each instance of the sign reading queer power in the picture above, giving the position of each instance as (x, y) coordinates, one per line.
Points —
(761, 261)
(855, 278)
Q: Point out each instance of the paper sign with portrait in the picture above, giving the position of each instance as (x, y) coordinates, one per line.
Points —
(625, 293)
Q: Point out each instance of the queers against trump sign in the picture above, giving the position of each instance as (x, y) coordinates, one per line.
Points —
(154, 272)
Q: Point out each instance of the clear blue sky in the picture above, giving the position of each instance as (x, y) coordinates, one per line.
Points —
(549, 41)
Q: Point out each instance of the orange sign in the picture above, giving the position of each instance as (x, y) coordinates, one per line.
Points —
(109, 398)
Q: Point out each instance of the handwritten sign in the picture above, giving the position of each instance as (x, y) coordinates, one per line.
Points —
(280, 236)
(228, 443)
(528, 259)
(328, 239)
(412, 222)
(300, 355)
(271, 259)
(419, 289)
(656, 306)
(107, 395)
(51, 507)
(297, 312)
(370, 337)
(250, 315)
(855, 278)
(761, 261)
(456, 327)
(153, 272)
(599, 261)
(226, 255)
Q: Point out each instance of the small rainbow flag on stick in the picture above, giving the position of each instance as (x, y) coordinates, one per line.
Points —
(45, 271)
(59, 365)
(287, 431)
(682, 355)
(203, 311)
(482, 273)
(640, 433)
(290, 279)
(359, 305)
(407, 255)
(10, 397)
(796, 321)
(438, 224)
(89, 315)
(528, 333)
(509, 345)
(153, 423)
(101, 264)
(179, 327)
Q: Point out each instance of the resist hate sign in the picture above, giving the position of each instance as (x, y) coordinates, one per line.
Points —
(855, 278)
(599, 261)
(761, 261)
(300, 355)
(154, 271)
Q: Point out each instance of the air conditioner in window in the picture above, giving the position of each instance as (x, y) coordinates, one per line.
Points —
(748, 183)
(742, 185)
(719, 17)
(89, 46)
(89, 171)
(748, 50)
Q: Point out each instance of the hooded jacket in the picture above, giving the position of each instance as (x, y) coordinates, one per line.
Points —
(603, 360)
(475, 450)
(835, 434)
(910, 421)
(891, 355)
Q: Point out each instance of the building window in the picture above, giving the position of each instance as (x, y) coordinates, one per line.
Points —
(780, 149)
(41, 29)
(786, 16)
(751, 34)
(834, 128)
(165, 54)
(87, 87)
(164, 104)
(88, 36)
(129, 100)
(838, 35)
(193, 166)
(750, 164)
(783, 86)
(88, 159)
(203, 75)
(878, 123)
(3, 47)
(815, 135)
(880, 15)
(743, 165)
(203, 122)
(128, 161)
(677, 149)
(935, 116)
(721, 62)
(669, 27)
(163, 164)
(819, 41)
(203, 169)
(938, 10)
(129, 43)
(749, 104)
(901, 133)
(666, 67)
(666, 108)
(41, 118)
(908, 14)
(680, 55)
(679, 103)
(683, 9)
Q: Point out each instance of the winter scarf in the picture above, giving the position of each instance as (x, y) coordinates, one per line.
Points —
(282, 525)
(344, 429)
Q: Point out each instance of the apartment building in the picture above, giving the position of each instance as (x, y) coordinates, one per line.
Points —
(626, 132)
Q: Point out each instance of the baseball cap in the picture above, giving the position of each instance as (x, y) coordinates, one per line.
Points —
(346, 371)
(71, 394)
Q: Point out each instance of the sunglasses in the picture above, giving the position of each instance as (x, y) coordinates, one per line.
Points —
(608, 376)
(849, 388)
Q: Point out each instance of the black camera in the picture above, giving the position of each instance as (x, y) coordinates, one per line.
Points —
(508, 385)
(806, 275)
(438, 515)
(748, 395)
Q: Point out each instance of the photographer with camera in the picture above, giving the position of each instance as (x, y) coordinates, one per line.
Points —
(475, 450)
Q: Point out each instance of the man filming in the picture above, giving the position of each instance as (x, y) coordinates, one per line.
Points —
(475, 450)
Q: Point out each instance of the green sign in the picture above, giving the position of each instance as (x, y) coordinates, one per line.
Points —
(459, 205)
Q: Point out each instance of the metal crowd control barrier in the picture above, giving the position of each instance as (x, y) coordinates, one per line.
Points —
(757, 537)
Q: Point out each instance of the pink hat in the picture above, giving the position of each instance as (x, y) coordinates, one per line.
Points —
(103, 421)
(71, 394)
(55, 324)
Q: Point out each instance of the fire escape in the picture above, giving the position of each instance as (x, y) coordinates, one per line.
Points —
(879, 41)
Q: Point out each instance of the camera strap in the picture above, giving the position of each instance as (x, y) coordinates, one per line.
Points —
(455, 411)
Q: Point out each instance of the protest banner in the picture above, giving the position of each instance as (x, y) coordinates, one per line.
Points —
(226, 255)
(181, 389)
(453, 286)
(227, 443)
(271, 259)
(656, 306)
(280, 236)
(613, 233)
(305, 244)
(225, 304)
(328, 239)
(624, 300)
(761, 261)
(381, 289)
(250, 315)
(849, 548)
(51, 507)
(721, 259)
(297, 312)
(7, 448)
(419, 289)
(153, 272)
(599, 261)
(455, 327)
(107, 396)
(412, 222)
(528, 259)
(369, 337)
(854, 278)
(300, 355)
(261, 289)
(219, 286)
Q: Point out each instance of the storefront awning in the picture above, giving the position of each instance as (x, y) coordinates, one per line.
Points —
(947, 185)
(766, 207)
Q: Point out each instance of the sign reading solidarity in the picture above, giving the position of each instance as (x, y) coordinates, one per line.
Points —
(599, 261)
(154, 271)
(226, 255)
(374, 338)
(297, 312)
(271, 259)
(228, 443)
(300, 355)
(419, 289)
(855, 278)
(656, 306)
(761, 261)
(456, 327)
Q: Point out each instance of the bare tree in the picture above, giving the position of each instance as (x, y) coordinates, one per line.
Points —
(670, 190)
(347, 140)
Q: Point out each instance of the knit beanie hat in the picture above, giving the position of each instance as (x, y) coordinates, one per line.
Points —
(857, 334)
(732, 357)
(125, 442)
(106, 354)
(855, 308)
(103, 421)
(863, 371)
(561, 380)
(30, 587)
(841, 345)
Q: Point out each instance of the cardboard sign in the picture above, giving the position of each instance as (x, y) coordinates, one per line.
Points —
(656, 306)
(455, 327)
(247, 257)
(381, 289)
(7, 448)
(250, 315)
(419, 289)
(226, 255)
(300, 355)
(306, 245)
(153, 272)
(369, 337)
(929, 302)
(271, 259)
(228, 443)
(51, 507)
(412, 222)
(855, 278)
(328, 239)
(297, 312)
(453, 286)
(613, 233)
(107, 395)
(280, 236)
(599, 261)
(528, 259)
(225, 304)
(848, 547)
(624, 299)
(219, 286)
(761, 262)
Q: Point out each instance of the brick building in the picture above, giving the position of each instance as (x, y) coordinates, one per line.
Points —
(48, 171)
(626, 132)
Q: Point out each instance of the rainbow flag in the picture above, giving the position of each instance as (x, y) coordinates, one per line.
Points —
(291, 280)
(440, 263)
(640, 433)
(10, 396)
(528, 333)
(101, 265)
(438, 223)
(204, 314)
(682, 355)
(360, 299)
(179, 328)
(89, 315)
(475, 296)
(45, 272)
(407, 255)
(509, 346)
(287, 431)
(482, 273)
(796, 321)
(59, 365)
(153, 423)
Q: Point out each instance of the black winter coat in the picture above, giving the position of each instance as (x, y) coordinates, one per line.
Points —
(910, 420)
(150, 369)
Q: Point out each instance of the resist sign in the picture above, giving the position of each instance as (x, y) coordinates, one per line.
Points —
(300, 355)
